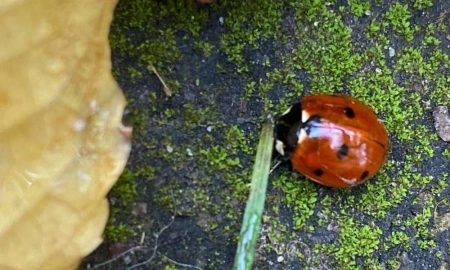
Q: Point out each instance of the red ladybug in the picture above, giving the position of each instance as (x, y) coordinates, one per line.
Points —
(334, 140)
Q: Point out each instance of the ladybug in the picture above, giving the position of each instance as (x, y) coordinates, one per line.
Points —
(334, 140)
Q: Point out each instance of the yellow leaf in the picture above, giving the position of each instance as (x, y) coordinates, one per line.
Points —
(62, 145)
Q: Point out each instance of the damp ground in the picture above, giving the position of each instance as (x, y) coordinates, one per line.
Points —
(228, 65)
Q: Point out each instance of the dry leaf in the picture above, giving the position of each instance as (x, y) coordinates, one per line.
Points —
(62, 145)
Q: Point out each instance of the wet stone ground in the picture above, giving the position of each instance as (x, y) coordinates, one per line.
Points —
(227, 66)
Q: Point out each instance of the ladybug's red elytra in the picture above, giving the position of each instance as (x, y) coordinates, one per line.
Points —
(334, 140)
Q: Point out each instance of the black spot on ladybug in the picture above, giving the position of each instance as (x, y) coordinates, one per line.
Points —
(318, 172)
(343, 151)
(349, 112)
(364, 175)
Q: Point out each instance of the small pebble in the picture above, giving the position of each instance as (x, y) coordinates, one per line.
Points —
(209, 128)
(139, 209)
(406, 262)
(442, 122)
(333, 226)
(127, 260)
(169, 148)
(391, 52)
(280, 259)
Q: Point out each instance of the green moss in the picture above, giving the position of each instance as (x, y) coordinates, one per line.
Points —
(398, 16)
(195, 117)
(157, 23)
(441, 94)
(134, 74)
(420, 222)
(249, 23)
(235, 136)
(300, 195)
(446, 153)
(249, 89)
(170, 267)
(118, 232)
(394, 263)
(411, 61)
(170, 196)
(358, 7)
(218, 158)
(147, 172)
(374, 201)
(124, 193)
(205, 47)
(285, 78)
(399, 238)
(430, 39)
(373, 29)
(373, 264)
(159, 52)
(125, 188)
(377, 89)
(354, 241)
(325, 49)
(422, 4)
(277, 235)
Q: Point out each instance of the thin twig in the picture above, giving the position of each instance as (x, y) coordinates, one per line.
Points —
(154, 253)
(155, 248)
(181, 264)
(130, 250)
(277, 163)
(166, 88)
(141, 242)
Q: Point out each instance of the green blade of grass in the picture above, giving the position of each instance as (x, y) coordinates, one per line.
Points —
(251, 223)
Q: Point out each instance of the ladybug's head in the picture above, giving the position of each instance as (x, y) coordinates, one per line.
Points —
(287, 130)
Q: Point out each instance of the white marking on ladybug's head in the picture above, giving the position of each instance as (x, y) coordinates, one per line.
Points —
(301, 136)
(279, 146)
(305, 116)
